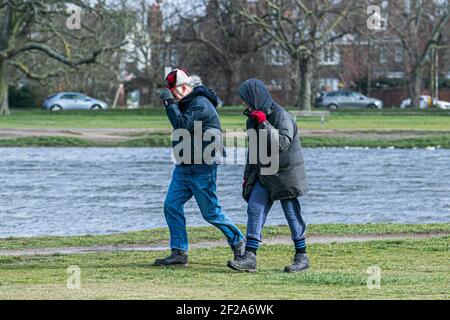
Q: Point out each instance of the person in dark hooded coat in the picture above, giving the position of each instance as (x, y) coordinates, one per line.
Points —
(286, 185)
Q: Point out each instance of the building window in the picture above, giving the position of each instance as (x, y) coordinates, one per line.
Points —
(173, 57)
(441, 7)
(383, 55)
(395, 75)
(279, 84)
(407, 6)
(329, 56)
(329, 84)
(277, 57)
(398, 54)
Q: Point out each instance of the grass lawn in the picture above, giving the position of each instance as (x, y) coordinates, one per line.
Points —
(198, 234)
(401, 128)
(232, 118)
(410, 269)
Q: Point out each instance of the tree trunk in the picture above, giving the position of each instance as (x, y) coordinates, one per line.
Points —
(227, 95)
(315, 82)
(4, 105)
(416, 87)
(369, 66)
(432, 75)
(231, 77)
(4, 41)
(116, 97)
(306, 75)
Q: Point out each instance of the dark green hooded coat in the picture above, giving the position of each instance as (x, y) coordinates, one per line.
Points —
(290, 181)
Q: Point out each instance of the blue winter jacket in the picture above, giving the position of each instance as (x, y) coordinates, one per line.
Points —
(199, 106)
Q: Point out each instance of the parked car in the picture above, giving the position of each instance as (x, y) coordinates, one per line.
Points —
(426, 102)
(444, 105)
(347, 99)
(73, 101)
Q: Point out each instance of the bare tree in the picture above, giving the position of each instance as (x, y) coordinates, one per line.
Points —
(419, 25)
(303, 29)
(222, 39)
(53, 30)
(148, 40)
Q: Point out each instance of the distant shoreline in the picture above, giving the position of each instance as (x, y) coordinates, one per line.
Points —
(432, 140)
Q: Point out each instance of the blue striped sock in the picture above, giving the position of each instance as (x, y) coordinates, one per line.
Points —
(252, 245)
(300, 244)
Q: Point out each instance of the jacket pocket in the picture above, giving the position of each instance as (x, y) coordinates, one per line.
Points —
(251, 180)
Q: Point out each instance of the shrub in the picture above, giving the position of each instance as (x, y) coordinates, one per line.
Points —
(23, 97)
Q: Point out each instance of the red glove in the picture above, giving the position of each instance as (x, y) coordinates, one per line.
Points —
(259, 116)
(244, 183)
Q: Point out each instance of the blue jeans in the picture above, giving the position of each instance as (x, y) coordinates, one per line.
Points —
(258, 208)
(198, 180)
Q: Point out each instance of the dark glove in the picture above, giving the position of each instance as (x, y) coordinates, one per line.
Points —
(244, 183)
(167, 97)
(258, 116)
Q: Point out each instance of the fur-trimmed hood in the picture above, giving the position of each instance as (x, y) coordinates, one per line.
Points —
(200, 90)
(196, 81)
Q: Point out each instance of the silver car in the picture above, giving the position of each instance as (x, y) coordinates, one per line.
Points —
(73, 101)
(346, 99)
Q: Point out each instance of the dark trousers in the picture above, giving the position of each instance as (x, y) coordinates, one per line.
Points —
(258, 208)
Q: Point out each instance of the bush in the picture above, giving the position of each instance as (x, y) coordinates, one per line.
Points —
(25, 97)
(444, 83)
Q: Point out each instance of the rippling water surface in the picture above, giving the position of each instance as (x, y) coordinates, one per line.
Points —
(46, 191)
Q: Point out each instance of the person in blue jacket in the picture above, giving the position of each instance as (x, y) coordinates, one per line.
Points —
(191, 106)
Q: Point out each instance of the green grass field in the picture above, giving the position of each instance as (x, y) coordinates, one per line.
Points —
(410, 269)
(198, 234)
(431, 120)
(366, 128)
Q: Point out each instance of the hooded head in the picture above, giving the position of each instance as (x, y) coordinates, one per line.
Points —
(256, 95)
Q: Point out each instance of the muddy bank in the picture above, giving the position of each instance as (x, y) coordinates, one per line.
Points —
(114, 135)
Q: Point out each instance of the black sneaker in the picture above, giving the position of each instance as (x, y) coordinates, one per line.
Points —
(246, 262)
(301, 263)
(238, 250)
(177, 258)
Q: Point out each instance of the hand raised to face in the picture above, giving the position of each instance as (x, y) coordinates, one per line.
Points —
(258, 116)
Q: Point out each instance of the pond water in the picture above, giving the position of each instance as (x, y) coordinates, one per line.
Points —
(54, 191)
